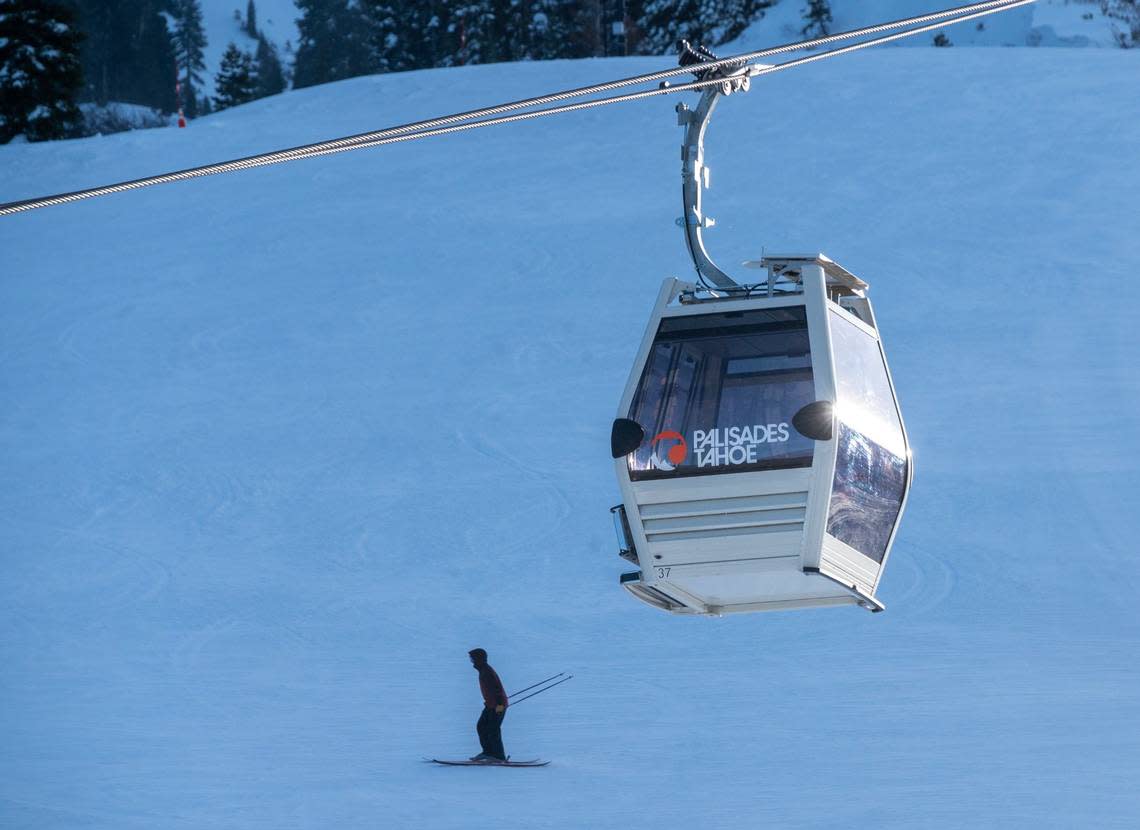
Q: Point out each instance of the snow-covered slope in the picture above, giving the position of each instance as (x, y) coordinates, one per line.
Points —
(1044, 23)
(279, 447)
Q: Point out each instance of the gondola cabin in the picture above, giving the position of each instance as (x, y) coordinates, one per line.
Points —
(761, 456)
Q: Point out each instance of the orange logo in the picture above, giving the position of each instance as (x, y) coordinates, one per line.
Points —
(676, 450)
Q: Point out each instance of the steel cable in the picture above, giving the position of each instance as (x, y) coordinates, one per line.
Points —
(636, 96)
(453, 123)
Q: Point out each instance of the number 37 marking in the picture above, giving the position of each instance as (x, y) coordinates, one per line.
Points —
(662, 573)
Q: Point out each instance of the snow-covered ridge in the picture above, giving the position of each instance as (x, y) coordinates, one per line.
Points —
(1073, 23)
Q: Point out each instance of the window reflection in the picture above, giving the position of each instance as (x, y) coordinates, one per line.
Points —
(866, 495)
(864, 397)
(718, 394)
(870, 465)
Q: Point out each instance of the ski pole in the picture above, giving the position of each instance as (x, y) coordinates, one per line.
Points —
(540, 691)
(536, 685)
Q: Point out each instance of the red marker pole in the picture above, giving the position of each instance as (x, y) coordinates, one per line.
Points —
(178, 95)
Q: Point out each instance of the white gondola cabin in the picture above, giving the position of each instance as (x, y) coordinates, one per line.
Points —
(761, 456)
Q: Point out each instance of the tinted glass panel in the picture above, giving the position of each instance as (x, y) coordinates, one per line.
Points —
(870, 468)
(866, 495)
(865, 400)
(718, 394)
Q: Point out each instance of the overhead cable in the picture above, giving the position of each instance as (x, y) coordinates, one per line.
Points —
(490, 116)
(637, 96)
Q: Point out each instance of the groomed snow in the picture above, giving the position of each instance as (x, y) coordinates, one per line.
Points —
(279, 447)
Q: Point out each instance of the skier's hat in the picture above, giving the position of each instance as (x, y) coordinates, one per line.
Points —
(478, 654)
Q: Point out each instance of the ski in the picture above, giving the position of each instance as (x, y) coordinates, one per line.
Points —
(534, 762)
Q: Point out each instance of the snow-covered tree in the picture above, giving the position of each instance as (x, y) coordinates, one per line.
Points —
(487, 31)
(1127, 12)
(725, 20)
(236, 81)
(270, 76)
(476, 33)
(127, 53)
(817, 18)
(551, 29)
(189, 38)
(664, 23)
(393, 34)
(335, 42)
(40, 72)
(251, 19)
(409, 34)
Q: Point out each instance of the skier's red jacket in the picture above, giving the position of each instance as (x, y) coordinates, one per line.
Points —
(492, 688)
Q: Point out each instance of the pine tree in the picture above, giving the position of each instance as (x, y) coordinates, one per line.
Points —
(512, 30)
(270, 77)
(335, 42)
(941, 40)
(236, 81)
(531, 30)
(473, 26)
(251, 19)
(189, 40)
(392, 34)
(489, 31)
(1128, 13)
(40, 72)
(817, 16)
(434, 44)
(662, 24)
(726, 20)
(552, 29)
(589, 40)
(127, 54)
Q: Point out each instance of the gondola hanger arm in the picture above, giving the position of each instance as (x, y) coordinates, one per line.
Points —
(694, 172)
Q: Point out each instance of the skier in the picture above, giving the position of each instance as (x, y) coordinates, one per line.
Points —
(494, 709)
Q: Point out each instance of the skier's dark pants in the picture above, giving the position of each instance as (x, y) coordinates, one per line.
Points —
(490, 735)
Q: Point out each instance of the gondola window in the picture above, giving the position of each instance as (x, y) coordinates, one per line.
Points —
(870, 466)
(718, 394)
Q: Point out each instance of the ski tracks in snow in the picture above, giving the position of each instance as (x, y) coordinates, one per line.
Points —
(927, 579)
(548, 498)
(541, 505)
(120, 574)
